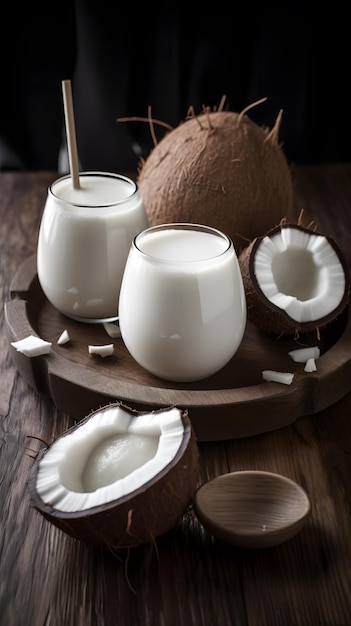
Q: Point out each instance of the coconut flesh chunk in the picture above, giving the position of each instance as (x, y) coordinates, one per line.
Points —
(285, 378)
(103, 351)
(112, 329)
(310, 365)
(111, 455)
(32, 346)
(300, 273)
(302, 355)
(63, 338)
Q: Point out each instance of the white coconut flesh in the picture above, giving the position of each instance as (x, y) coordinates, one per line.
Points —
(109, 456)
(300, 273)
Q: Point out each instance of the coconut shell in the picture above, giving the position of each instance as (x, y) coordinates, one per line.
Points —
(220, 169)
(266, 315)
(140, 516)
(260, 311)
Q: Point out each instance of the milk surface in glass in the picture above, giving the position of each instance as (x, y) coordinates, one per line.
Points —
(84, 240)
(182, 305)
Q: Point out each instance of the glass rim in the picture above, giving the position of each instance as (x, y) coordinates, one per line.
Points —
(183, 226)
(100, 174)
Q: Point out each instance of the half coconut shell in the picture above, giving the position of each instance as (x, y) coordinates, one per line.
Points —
(119, 478)
(296, 280)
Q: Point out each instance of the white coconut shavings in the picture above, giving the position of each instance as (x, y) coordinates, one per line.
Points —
(278, 377)
(32, 346)
(63, 338)
(302, 355)
(103, 351)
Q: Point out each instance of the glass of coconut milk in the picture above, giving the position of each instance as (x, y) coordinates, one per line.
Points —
(84, 239)
(182, 306)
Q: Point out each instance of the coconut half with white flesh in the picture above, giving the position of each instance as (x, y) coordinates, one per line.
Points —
(296, 280)
(119, 478)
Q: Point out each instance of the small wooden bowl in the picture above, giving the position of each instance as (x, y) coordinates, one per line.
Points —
(252, 509)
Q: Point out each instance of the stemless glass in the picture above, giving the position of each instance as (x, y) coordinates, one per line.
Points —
(182, 306)
(84, 239)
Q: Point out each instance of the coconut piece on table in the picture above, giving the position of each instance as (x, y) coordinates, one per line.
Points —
(63, 338)
(103, 351)
(302, 355)
(32, 346)
(285, 378)
(112, 329)
(118, 478)
(310, 365)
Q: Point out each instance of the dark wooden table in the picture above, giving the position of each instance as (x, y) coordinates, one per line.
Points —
(187, 577)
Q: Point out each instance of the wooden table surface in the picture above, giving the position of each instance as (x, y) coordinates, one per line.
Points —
(187, 577)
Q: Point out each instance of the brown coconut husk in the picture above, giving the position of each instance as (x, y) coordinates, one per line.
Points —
(221, 169)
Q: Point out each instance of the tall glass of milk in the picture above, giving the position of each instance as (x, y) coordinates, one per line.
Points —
(182, 306)
(84, 239)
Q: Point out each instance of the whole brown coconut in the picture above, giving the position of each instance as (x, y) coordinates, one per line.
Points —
(221, 169)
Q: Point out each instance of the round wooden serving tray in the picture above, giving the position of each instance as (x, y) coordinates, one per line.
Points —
(233, 403)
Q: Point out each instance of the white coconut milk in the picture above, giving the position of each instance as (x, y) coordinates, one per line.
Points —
(84, 240)
(182, 306)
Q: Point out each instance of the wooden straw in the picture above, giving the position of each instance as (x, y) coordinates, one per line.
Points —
(70, 132)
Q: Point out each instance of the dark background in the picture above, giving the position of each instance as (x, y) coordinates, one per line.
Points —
(122, 58)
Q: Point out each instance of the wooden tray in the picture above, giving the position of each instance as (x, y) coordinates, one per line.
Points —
(234, 403)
